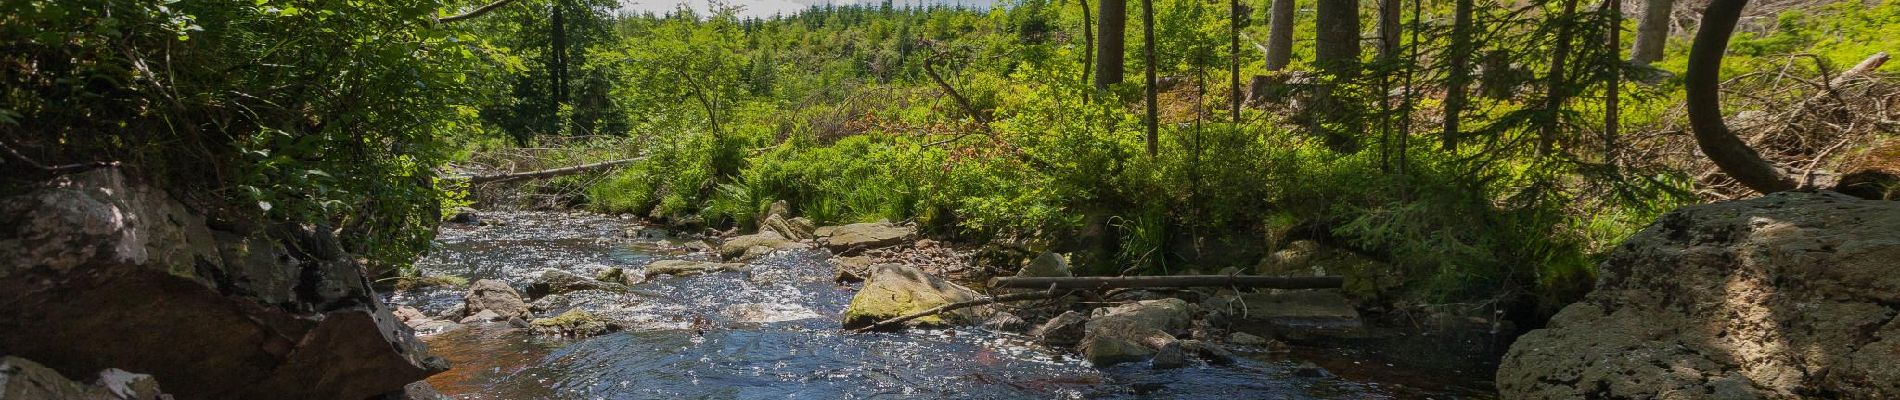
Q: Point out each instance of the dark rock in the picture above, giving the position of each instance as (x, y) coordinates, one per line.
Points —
(465, 216)
(1788, 295)
(1134, 331)
(683, 268)
(111, 274)
(415, 391)
(1063, 330)
(27, 380)
(496, 296)
(1170, 356)
(1302, 309)
(554, 281)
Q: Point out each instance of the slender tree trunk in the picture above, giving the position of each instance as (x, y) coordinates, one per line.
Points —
(557, 69)
(1389, 29)
(1651, 32)
(1702, 85)
(1458, 61)
(1088, 43)
(1613, 94)
(1148, 53)
(1233, 68)
(1280, 35)
(1111, 35)
(1555, 94)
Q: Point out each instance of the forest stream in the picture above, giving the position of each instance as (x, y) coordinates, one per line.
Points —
(771, 331)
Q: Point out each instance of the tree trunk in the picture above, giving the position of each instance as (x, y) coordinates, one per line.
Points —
(1088, 43)
(1280, 35)
(1613, 94)
(1651, 32)
(1458, 61)
(1555, 94)
(1234, 15)
(1702, 83)
(1337, 47)
(1337, 54)
(1389, 29)
(1111, 36)
(1148, 53)
(557, 69)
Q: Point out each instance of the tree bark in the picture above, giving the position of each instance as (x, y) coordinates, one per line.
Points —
(1111, 36)
(1702, 83)
(1148, 53)
(1651, 32)
(1458, 61)
(1389, 29)
(1116, 282)
(1555, 94)
(1337, 54)
(1234, 95)
(1612, 101)
(1280, 35)
(1088, 43)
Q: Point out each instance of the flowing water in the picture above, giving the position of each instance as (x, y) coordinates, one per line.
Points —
(769, 332)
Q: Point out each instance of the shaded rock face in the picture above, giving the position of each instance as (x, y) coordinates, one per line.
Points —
(553, 281)
(27, 380)
(102, 273)
(1784, 296)
(1063, 330)
(895, 290)
(854, 238)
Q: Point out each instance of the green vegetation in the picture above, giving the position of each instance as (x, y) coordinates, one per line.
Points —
(979, 125)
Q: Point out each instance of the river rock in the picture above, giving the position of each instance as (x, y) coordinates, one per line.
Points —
(789, 228)
(573, 323)
(684, 268)
(852, 268)
(554, 281)
(104, 272)
(619, 276)
(496, 296)
(1134, 331)
(1788, 295)
(1050, 265)
(27, 380)
(1005, 322)
(1170, 356)
(415, 391)
(895, 290)
(482, 316)
(1063, 330)
(1246, 339)
(854, 238)
(738, 246)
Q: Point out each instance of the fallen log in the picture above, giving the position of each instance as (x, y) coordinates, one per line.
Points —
(1115, 282)
(986, 300)
(549, 173)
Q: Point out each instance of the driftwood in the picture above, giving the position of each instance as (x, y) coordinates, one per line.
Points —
(986, 300)
(1115, 282)
(549, 173)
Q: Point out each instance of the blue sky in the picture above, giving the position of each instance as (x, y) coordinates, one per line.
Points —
(767, 8)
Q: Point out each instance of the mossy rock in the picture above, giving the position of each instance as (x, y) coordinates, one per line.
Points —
(575, 323)
(896, 290)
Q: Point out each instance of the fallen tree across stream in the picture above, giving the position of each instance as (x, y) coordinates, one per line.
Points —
(548, 173)
(986, 300)
(1117, 282)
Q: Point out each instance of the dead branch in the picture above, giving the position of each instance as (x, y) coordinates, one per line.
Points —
(986, 300)
(1113, 282)
(477, 12)
(548, 173)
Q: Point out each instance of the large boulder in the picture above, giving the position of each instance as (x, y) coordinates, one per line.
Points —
(103, 273)
(895, 290)
(496, 296)
(1784, 296)
(27, 380)
(1133, 332)
(738, 246)
(1047, 265)
(854, 238)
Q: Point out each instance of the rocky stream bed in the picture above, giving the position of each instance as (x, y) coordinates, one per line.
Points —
(770, 326)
